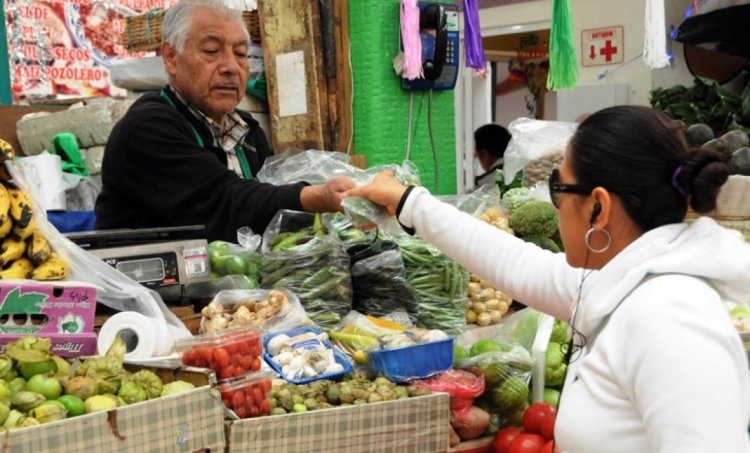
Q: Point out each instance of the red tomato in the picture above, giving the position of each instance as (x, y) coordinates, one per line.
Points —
(548, 428)
(231, 347)
(256, 364)
(221, 357)
(243, 347)
(226, 372)
(264, 407)
(226, 399)
(258, 395)
(249, 400)
(266, 385)
(527, 443)
(503, 439)
(547, 448)
(256, 349)
(246, 362)
(535, 415)
(241, 412)
(188, 357)
(238, 400)
(253, 411)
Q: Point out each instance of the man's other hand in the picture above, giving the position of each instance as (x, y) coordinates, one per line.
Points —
(326, 197)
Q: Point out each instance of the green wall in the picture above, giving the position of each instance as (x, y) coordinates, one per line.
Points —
(4, 68)
(381, 106)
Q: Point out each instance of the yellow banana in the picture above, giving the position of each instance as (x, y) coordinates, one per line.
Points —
(38, 249)
(54, 268)
(20, 206)
(6, 226)
(22, 233)
(19, 269)
(4, 202)
(11, 249)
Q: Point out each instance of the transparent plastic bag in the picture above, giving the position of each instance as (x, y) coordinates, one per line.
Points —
(299, 254)
(312, 166)
(378, 280)
(533, 139)
(477, 202)
(463, 386)
(287, 315)
(227, 258)
(114, 289)
(440, 284)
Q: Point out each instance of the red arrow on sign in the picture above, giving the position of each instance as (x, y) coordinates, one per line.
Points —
(592, 54)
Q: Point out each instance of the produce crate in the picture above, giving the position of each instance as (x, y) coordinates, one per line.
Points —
(184, 422)
(411, 425)
(143, 32)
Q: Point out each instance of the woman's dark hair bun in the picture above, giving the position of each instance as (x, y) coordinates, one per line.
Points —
(703, 173)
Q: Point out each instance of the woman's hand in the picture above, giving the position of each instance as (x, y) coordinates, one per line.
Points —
(326, 197)
(384, 191)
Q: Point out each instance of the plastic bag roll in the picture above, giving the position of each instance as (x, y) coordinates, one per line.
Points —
(144, 337)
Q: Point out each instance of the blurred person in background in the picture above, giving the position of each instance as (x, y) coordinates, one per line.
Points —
(490, 142)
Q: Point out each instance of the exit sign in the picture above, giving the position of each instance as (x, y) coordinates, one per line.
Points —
(602, 46)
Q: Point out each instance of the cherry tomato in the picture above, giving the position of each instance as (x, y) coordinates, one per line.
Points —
(250, 400)
(255, 349)
(503, 439)
(226, 372)
(238, 400)
(221, 357)
(241, 412)
(527, 443)
(243, 347)
(266, 385)
(264, 407)
(231, 347)
(535, 415)
(547, 448)
(258, 395)
(226, 399)
(548, 428)
(188, 357)
(256, 364)
(254, 411)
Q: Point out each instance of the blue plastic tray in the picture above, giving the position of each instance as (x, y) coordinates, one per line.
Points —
(413, 362)
(338, 356)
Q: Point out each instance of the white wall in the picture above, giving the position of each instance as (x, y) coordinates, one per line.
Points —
(589, 14)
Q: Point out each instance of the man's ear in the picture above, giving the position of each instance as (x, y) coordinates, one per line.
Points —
(169, 55)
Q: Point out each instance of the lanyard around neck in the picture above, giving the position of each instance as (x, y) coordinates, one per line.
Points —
(238, 151)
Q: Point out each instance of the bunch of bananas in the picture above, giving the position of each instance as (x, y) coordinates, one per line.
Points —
(24, 251)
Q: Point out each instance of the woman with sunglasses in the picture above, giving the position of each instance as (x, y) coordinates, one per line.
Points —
(661, 367)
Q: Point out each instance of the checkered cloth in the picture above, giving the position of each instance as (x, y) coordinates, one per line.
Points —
(179, 423)
(410, 426)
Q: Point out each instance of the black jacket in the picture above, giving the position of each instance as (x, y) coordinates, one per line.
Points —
(154, 174)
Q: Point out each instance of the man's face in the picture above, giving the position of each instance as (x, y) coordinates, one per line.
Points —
(212, 71)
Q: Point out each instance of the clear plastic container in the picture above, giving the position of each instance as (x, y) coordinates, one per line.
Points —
(247, 396)
(229, 353)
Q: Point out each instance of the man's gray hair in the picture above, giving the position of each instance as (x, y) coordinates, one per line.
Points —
(178, 19)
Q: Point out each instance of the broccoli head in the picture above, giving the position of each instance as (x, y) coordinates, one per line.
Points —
(534, 218)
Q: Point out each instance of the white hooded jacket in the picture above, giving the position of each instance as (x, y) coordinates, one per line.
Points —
(663, 369)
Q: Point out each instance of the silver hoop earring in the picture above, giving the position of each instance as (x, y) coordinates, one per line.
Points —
(587, 240)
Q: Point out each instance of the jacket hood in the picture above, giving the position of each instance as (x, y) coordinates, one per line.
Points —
(701, 249)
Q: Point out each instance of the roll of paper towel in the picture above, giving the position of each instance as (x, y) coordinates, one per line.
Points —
(144, 337)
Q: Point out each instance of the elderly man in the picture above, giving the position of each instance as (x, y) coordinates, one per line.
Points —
(186, 155)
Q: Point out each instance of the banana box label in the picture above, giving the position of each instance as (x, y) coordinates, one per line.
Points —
(65, 314)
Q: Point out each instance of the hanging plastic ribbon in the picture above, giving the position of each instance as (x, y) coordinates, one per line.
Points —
(473, 38)
(655, 36)
(563, 66)
(411, 40)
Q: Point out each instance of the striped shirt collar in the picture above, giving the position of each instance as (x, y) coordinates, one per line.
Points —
(228, 137)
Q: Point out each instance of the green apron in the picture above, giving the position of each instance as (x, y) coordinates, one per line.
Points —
(244, 164)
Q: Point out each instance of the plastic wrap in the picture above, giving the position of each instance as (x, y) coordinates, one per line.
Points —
(533, 139)
(506, 355)
(233, 259)
(312, 166)
(475, 203)
(378, 280)
(114, 289)
(270, 317)
(301, 256)
(439, 283)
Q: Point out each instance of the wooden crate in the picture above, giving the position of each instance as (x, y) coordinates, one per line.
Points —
(143, 33)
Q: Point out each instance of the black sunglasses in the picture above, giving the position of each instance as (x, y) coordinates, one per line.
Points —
(556, 188)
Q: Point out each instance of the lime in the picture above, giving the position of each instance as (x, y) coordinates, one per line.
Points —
(73, 404)
(29, 369)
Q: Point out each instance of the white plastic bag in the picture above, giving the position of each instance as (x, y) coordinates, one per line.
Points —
(531, 140)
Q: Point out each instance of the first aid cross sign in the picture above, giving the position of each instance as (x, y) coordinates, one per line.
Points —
(602, 46)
